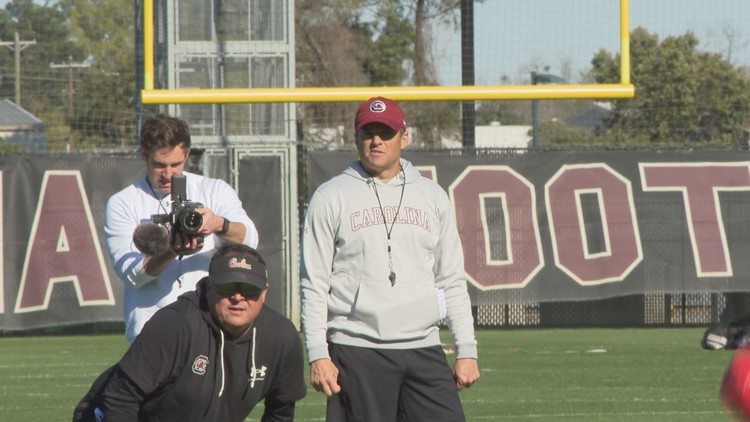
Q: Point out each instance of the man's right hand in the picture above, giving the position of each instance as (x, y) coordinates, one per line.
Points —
(324, 376)
(185, 244)
(180, 245)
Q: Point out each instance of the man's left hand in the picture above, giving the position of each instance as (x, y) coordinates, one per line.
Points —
(465, 372)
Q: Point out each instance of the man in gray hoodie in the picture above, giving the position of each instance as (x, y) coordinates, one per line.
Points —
(382, 264)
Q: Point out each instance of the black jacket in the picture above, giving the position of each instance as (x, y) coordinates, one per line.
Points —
(182, 368)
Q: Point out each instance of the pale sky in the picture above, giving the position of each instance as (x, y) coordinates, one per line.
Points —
(512, 36)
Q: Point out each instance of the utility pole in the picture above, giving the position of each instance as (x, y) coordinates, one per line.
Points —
(71, 110)
(17, 45)
(70, 65)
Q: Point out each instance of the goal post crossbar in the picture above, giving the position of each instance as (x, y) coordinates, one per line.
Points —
(150, 95)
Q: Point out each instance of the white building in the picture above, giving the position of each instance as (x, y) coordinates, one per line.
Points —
(497, 136)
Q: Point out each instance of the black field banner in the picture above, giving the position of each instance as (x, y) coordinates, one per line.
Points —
(535, 227)
(56, 270)
(568, 226)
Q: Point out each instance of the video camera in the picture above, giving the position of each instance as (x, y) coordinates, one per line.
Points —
(183, 217)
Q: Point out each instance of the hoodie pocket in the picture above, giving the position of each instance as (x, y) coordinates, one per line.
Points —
(398, 313)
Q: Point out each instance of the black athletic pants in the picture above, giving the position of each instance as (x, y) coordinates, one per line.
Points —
(384, 385)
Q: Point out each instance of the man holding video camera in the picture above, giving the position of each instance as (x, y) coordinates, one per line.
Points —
(157, 255)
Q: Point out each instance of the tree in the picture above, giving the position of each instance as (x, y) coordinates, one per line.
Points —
(503, 112)
(422, 13)
(432, 120)
(390, 50)
(377, 43)
(99, 111)
(682, 94)
(45, 25)
(332, 45)
(42, 90)
(104, 29)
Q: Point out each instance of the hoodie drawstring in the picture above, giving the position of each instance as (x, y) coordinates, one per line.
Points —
(252, 357)
(253, 372)
(221, 356)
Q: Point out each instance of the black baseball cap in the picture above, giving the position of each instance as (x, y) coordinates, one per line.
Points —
(238, 268)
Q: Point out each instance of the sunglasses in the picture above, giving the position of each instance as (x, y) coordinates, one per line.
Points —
(384, 133)
(246, 290)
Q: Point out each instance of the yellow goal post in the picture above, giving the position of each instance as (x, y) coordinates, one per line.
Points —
(149, 95)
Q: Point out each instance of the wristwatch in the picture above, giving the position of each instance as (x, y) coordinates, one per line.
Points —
(225, 227)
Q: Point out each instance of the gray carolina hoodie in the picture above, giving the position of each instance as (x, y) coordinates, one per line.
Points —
(347, 297)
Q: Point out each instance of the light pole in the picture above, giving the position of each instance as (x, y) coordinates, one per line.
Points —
(539, 78)
(468, 110)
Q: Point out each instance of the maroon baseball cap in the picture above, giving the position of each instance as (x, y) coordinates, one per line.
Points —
(380, 110)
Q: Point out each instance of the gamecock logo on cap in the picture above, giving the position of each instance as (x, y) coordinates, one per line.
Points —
(377, 106)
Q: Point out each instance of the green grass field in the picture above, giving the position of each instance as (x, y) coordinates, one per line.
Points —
(561, 375)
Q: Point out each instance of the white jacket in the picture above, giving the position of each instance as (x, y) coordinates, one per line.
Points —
(143, 293)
